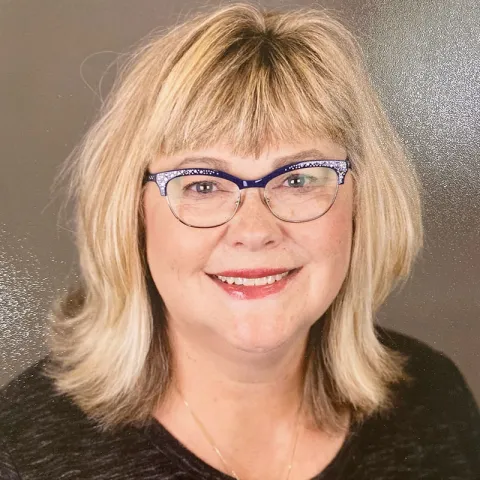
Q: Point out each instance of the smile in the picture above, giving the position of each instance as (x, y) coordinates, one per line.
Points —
(269, 280)
(242, 288)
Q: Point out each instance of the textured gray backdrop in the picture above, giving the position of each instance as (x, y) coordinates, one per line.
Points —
(424, 59)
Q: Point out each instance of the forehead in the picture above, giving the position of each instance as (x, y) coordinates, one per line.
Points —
(222, 157)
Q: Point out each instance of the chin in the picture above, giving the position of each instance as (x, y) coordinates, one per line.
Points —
(250, 338)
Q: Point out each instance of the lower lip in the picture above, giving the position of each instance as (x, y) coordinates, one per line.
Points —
(253, 292)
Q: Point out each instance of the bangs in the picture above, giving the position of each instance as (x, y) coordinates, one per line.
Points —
(251, 90)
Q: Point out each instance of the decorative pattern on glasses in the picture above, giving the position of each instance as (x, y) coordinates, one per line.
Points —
(206, 198)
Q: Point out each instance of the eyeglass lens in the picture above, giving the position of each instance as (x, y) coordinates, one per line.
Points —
(297, 196)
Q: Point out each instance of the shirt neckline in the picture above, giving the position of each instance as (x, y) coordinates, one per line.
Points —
(170, 445)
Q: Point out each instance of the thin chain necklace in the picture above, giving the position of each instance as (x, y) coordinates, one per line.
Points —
(219, 454)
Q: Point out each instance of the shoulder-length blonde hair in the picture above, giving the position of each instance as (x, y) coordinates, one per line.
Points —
(250, 77)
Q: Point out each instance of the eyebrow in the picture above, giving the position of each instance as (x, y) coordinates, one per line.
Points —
(220, 164)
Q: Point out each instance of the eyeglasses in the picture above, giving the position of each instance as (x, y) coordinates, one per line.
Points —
(205, 198)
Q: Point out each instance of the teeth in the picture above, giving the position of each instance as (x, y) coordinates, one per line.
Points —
(253, 281)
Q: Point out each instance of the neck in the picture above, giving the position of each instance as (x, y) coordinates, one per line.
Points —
(235, 388)
(248, 402)
(248, 405)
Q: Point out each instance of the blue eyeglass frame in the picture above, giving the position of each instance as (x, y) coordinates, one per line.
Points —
(341, 167)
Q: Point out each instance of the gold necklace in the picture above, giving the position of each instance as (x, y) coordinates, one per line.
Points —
(217, 451)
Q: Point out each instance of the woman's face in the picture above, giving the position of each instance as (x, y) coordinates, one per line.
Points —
(183, 259)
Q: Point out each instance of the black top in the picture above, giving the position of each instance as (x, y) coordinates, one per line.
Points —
(433, 433)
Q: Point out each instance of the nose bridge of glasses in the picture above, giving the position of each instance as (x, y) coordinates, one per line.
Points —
(256, 193)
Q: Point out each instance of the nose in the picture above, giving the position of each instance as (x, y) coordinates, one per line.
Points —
(253, 226)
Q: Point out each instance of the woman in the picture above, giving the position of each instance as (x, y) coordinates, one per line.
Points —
(243, 208)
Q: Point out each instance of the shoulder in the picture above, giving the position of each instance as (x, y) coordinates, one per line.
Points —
(44, 434)
(28, 406)
(31, 397)
(428, 367)
(434, 376)
(436, 406)
(37, 424)
(409, 345)
(32, 411)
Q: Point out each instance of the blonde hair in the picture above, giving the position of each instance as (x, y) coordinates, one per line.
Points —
(250, 77)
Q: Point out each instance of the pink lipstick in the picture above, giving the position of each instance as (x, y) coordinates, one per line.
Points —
(252, 292)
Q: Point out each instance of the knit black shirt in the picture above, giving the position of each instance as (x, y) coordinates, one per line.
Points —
(433, 433)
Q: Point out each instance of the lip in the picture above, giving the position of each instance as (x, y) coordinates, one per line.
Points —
(254, 292)
(253, 272)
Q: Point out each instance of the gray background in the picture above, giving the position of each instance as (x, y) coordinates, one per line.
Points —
(423, 56)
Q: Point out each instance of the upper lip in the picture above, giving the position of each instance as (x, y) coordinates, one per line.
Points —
(252, 273)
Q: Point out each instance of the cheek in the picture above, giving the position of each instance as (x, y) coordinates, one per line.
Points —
(172, 248)
(159, 239)
(339, 227)
(333, 242)
(328, 243)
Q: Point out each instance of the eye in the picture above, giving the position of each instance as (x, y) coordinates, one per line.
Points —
(297, 180)
(203, 187)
